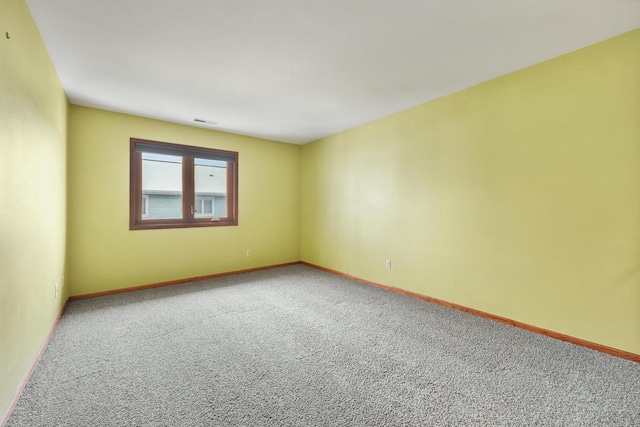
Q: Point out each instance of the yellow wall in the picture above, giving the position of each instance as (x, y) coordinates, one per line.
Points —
(519, 196)
(33, 121)
(104, 254)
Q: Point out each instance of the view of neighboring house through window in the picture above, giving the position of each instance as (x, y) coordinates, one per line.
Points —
(211, 188)
(181, 186)
(145, 206)
(162, 185)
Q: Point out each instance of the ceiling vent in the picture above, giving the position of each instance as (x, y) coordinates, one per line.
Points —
(207, 122)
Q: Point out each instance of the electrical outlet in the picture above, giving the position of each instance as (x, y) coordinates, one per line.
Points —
(388, 263)
(57, 290)
(248, 252)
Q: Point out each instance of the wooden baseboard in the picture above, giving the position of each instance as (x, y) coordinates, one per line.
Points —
(557, 335)
(176, 282)
(25, 379)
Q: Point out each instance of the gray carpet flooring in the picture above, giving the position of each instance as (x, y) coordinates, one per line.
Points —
(294, 346)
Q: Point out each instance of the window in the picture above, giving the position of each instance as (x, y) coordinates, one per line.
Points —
(145, 206)
(204, 207)
(182, 186)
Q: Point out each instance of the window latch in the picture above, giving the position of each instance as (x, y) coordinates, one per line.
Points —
(192, 210)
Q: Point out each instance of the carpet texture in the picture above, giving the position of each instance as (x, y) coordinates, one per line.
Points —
(295, 346)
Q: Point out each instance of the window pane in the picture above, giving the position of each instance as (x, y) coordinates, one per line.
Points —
(207, 206)
(211, 188)
(145, 206)
(162, 184)
(203, 207)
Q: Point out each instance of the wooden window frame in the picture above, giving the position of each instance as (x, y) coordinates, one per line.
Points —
(188, 154)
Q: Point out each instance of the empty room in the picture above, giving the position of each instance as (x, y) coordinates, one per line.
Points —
(319, 213)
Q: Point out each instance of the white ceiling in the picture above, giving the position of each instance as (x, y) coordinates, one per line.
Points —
(298, 70)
